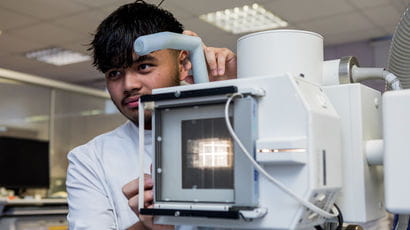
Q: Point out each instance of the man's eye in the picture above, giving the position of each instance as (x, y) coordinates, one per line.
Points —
(114, 74)
(144, 67)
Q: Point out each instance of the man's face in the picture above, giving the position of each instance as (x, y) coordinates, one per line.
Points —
(158, 69)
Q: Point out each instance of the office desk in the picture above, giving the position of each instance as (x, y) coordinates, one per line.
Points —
(33, 214)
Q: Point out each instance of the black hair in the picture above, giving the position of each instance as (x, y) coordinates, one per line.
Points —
(113, 41)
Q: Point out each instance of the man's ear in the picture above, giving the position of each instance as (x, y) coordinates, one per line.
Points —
(184, 66)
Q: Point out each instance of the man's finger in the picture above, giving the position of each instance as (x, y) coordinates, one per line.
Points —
(131, 189)
(134, 201)
(221, 60)
(211, 60)
(190, 33)
(148, 198)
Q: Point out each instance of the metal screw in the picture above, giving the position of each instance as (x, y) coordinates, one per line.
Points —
(353, 227)
(376, 103)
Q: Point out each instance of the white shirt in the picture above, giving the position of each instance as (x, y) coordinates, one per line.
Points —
(97, 172)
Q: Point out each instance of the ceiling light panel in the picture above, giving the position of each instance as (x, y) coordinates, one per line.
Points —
(244, 19)
(57, 56)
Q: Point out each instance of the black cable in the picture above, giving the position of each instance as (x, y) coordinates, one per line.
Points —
(160, 3)
(318, 227)
(339, 218)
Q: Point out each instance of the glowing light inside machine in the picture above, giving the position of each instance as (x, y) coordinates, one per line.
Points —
(211, 153)
(244, 19)
(280, 150)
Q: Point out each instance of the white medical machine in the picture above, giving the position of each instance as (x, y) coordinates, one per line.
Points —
(281, 145)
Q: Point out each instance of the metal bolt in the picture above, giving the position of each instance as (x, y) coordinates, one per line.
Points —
(376, 103)
(353, 227)
(322, 100)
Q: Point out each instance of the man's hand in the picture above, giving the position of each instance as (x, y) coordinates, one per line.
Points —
(131, 191)
(221, 61)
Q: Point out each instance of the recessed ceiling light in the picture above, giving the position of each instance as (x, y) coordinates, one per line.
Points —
(57, 56)
(244, 19)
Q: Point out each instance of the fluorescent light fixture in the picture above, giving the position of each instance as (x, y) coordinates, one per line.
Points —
(91, 112)
(244, 19)
(57, 56)
(38, 118)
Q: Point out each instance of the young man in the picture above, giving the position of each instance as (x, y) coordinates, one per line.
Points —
(101, 178)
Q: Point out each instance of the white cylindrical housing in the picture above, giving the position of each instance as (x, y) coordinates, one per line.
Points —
(331, 72)
(276, 52)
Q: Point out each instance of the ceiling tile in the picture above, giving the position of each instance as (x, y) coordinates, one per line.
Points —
(112, 6)
(80, 45)
(176, 10)
(17, 45)
(296, 11)
(46, 34)
(202, 28)
(201, 7)
(362, 34)
(10, 19)
(368, 3)
(400, 5)
(18, 62)
(179, 12)
(390, 15)
(78, 72)
(43, 9)
(389, 29)
(98, 3)
(342, 23)
(84, 23)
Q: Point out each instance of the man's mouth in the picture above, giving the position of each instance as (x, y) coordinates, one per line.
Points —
(131, 102)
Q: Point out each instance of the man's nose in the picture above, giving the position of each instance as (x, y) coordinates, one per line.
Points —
(132, 81)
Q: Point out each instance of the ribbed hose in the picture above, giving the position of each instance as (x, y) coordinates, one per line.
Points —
(399, 55)
(360, 74)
